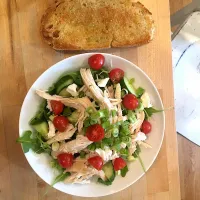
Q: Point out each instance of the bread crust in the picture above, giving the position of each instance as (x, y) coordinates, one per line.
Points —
(96, 24)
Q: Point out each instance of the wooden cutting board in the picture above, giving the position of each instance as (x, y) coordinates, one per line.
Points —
(24, 56)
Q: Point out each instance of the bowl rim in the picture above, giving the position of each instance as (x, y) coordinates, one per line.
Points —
(162, 113)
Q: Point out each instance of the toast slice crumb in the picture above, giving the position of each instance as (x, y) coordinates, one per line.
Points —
(96, 24)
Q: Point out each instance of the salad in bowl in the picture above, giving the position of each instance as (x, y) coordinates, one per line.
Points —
(93, 122)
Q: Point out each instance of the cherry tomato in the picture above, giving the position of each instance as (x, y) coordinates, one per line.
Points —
(95, 132)
(65, 160)
(57, 107)
(119, 163)
(60, 123)
(130, 102)
(116, 75)
(146, 127)
(96, 61)
(96, 162)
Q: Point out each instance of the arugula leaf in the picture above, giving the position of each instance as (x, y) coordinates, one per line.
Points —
(42, 145)
(124, 171)
(39, 116)
(142, 164)
(137, 151)
(107, 182)
(26, 141)
(60, 177)
(136, 155)
(35, 143)
(150, 111)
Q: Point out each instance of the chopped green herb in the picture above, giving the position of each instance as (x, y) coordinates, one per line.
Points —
(115, 132)
(106, 125)
(114, 113)
(131, 116)
(104, 113)
(124, 129)
(124, 152)
(108, 141)
(108, 134)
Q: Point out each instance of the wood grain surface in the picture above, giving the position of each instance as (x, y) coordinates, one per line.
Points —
(176, 5)
(24, 56)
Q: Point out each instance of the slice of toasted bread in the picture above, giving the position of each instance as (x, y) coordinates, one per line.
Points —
(94, 24)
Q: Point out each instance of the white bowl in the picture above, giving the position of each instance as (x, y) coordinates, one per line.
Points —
(40, 162)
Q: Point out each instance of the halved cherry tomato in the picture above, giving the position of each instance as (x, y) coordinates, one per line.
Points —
(95, 133)
(96, 61)
(65, 160)
(60, 123)
(57, 107)
(130, 102)
(116, 75)
(146, 127)
(96, 162)
(119, 163)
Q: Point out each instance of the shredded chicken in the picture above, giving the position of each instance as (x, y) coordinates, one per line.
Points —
(49, 105)
(118, 96)
(135, 127)
(110, 90)
(116, 119)
(74, 146)
(52, 130)
(132, 148)
(60, 136)
(94, 89)
(145, 144)
(86, 91)
(78, 103)
(81, 172)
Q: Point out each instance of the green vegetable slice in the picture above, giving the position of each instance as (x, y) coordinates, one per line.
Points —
(128, 84)
(42, 128)
(109, 171)
(63, 83)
